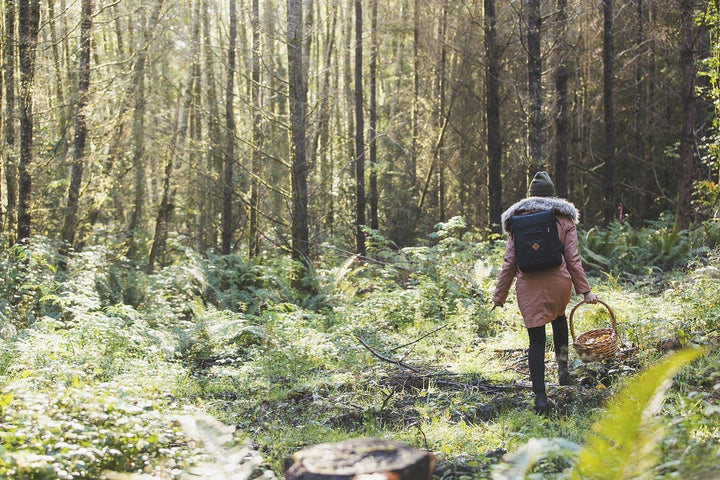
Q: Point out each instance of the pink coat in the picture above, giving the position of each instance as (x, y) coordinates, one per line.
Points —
(543, 296)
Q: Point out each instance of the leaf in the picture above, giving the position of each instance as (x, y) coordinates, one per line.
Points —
(623, 441)
(520, 462)
(227, 460)
(6, 400)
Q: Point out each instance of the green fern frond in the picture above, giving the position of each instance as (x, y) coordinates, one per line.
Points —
(519, 463)
(622, 443)
(226, 459)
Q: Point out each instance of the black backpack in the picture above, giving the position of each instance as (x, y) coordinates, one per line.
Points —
(537, 245)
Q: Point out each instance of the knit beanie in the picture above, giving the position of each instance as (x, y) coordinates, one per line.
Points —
(542, 186)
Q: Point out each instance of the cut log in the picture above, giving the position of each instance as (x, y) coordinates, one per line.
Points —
(360, 459)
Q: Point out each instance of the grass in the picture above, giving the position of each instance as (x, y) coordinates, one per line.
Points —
(101, 380)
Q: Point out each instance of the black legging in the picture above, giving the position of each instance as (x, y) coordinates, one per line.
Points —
(536, 352)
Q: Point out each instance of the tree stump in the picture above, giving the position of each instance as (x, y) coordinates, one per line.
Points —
(360, 459)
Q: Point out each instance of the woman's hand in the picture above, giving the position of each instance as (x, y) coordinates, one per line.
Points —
(590, 297)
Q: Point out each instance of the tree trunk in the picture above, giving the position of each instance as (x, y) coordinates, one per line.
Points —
(118, 31)
(440, 119)
(65, 38)
(70, 224)
(374, 221)
(322, 145)
(214, 151)
(198, 153)
(639, 103)
(360, 458)
(214, 128)
(415, 113)
(308, 29)
(435, 155)
(297, 85)
(689, 109)
(9, 127)
(227, 215)
(348, 81)
(2, 150)
(561, 105)
(138, 127)
(648, 176)
(359, 134)
(492, 112)
(55, 44)
(29, 24)
(63, 108)
(257, 135)
(166, 203)
(534, 59)
(138, 136)
(609, 109)
(165, 209)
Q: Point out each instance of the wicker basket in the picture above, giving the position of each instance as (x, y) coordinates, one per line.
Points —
(595, 345)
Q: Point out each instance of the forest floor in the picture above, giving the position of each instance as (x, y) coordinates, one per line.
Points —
(214, 369)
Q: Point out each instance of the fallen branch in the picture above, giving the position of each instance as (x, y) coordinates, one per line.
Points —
(481, 385)
(385, 359)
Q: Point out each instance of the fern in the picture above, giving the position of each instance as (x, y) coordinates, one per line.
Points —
(226, 460)
(520, 462)
(623, 250)
(623, 442)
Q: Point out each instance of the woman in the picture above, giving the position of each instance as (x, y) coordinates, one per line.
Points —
(543, 296)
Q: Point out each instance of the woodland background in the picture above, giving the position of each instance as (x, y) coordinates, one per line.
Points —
(243, 125)
(214, 213)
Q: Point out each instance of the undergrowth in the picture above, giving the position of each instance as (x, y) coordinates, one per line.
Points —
(106, 372)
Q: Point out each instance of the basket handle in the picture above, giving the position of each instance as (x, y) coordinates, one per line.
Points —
(572, 312)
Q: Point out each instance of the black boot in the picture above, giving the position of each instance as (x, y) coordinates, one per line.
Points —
(564, 377)
(542, 405)
(560, 339)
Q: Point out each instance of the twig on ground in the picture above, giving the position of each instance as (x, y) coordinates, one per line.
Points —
(501, 351)
(485, 387)
(387, 398)
(385, 359)
(482, 386)
(420, 338)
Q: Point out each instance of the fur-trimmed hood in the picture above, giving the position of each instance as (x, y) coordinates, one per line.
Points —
(559, 205)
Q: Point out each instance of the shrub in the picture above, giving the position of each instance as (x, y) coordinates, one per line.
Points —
(80, 431)
(627, 252)
(241, 285)
(27, 278)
